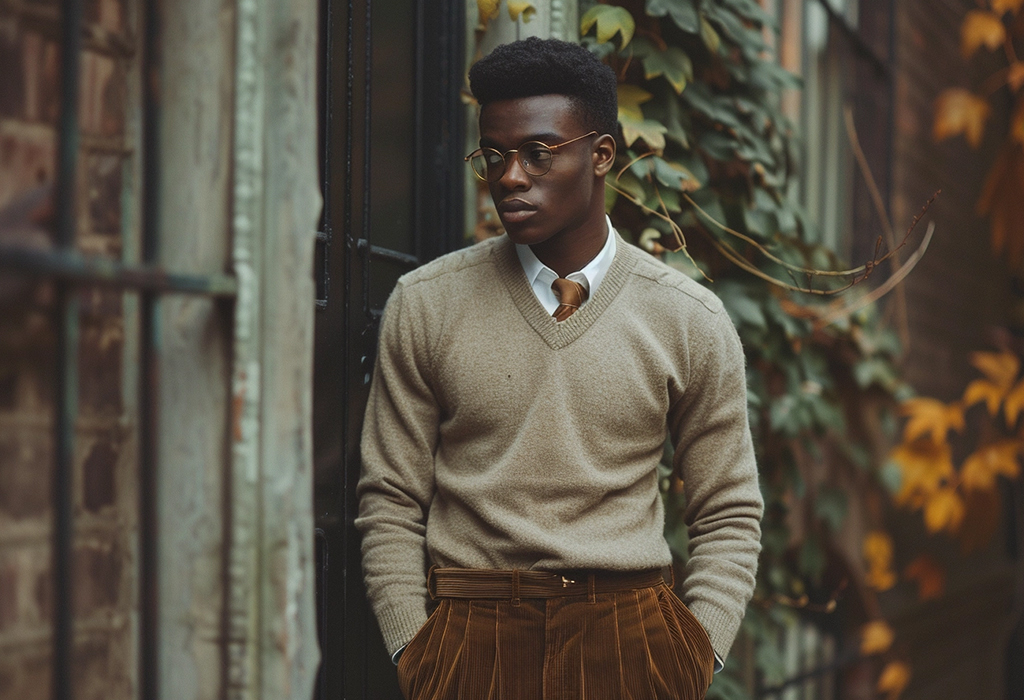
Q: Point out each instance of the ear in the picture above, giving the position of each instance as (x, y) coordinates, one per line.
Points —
(603, 155)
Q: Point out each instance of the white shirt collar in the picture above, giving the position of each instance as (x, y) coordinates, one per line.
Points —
(589, 276)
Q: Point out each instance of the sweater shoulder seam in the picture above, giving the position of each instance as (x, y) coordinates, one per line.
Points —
(665, 276)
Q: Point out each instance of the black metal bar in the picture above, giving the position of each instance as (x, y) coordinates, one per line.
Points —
(367, 145)
(861, 47)
(72, 267)
(148, 668)
(66, 399)
(376, 252)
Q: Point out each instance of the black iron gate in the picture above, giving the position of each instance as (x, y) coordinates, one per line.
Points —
(391, 71)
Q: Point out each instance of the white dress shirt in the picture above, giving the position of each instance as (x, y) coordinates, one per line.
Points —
(540, 276)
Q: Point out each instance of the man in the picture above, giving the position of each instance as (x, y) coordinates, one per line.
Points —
(523, 393)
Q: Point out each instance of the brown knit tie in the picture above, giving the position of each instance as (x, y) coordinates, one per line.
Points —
(570, 296)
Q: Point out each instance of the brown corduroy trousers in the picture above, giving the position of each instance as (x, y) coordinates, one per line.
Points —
(625, 645)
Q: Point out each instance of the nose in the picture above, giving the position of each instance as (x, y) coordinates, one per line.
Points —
(514, 177)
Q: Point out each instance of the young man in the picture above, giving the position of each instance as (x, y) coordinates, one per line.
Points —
(523, 393)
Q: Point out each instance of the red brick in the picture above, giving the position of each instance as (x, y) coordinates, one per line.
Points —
(12, 77)
(103, 95)
(27, 158)
(97, 578)
(8, 596)
(25, 476)
(103, 175)
(98, 470)
(100, 354)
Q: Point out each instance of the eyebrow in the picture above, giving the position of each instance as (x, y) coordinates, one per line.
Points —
(547, 138)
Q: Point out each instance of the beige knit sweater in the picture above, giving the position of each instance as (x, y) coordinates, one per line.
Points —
(496, 437)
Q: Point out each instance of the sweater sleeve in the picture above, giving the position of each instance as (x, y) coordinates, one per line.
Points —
(397, 483)
(714, 457)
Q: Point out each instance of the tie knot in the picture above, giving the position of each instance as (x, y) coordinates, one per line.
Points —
(570, 295)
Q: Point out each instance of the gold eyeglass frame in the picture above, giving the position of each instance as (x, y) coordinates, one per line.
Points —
(506, 154)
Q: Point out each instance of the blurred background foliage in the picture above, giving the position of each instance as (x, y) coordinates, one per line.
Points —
(708, 147)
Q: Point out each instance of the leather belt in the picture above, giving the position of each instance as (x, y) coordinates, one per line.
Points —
(515, 584)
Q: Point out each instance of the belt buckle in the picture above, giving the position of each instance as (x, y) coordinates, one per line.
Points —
(566, 582)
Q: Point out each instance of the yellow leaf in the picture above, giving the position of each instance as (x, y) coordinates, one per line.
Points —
(958, 111)
(894, 679)
(930, 416)
(652, 132)
(1000, 370)
(630, 99)
(924, 466)
(487, 10)
(880, 579)
(944, 510)
(1014, 404)
(981, 28)
(610, 20)
(930, 578)
(877, 550)
(1001, 7)
(984, 390)
(1000, 367)
(998, 459)
(876, 638)
(520, 7)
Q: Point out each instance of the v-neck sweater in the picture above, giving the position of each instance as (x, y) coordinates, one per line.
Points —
(496, 437)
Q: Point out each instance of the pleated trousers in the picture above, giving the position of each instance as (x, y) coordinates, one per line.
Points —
(626, 645)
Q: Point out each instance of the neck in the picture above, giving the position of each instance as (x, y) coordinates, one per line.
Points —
(571, 251)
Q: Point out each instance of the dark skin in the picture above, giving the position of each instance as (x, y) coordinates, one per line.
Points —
(560, 214)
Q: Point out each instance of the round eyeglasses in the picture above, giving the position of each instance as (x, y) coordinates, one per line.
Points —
(535, 158)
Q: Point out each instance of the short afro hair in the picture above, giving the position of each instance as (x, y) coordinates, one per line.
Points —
(550, 67)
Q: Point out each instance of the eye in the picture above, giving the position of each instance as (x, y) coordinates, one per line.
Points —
(536, 153)
(493, 157)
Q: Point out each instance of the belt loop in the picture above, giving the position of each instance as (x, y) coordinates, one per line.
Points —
(672, 577)
(432, 582)
(515, 587)
(591, 589)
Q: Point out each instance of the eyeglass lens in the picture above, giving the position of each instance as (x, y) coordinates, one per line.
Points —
(534, 157)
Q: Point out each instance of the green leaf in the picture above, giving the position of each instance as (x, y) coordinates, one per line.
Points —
(682, 12)
(752, 10)
(709, 36)
(610, 20)
(742, 308)
(718, 145)
(674, 175)
(630, 99)
(631, 184)
(652, 132)
(673, 64)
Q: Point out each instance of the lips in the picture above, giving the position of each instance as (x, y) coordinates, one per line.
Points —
(514, 211)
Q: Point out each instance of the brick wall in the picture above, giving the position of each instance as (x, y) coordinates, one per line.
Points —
(104, 499)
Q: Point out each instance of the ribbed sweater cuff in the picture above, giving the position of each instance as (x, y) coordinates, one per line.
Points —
(399, 625)
(720, 625)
